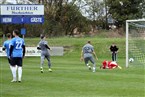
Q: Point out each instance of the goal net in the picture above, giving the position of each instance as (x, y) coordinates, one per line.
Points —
(135, 42)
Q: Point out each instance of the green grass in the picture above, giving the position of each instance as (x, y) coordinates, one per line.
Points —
(70, 77)
(101, 45)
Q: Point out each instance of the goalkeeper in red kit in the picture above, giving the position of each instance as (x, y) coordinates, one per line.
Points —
(110, 65)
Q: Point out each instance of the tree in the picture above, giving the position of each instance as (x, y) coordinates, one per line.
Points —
(72, 18)
(121, 10)
(61, 18)
(92, 9)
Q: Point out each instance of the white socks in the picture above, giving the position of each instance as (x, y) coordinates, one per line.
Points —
(94, 69)
(19, 73)
(14, 71)
(10, 67)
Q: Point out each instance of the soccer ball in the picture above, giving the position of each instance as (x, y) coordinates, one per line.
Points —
(131, 60)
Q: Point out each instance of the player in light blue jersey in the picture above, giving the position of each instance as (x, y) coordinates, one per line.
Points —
(17, 52)
(6, 47)
(43, 46)
(87, 55)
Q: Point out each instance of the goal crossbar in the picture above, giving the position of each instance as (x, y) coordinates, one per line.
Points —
(138, 20)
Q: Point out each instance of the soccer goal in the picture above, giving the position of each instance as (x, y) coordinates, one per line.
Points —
(135, 42)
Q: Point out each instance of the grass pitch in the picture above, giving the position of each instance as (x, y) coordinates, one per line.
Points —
(70, 77)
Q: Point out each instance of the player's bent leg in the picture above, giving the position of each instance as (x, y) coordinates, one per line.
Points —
(14, 69)
(94, 67)
(112, 56)
(10, 64)
(119, 67)
(19, 64)
(115, 57)
(94, 64)
(19, 74)
(49, 63)
(42, 63)
(86, 60)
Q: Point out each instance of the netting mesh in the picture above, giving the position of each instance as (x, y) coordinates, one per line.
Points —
(136, 42)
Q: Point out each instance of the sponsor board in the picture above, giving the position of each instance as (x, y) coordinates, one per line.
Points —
(22, 19)
(32, 51)
(22, 9)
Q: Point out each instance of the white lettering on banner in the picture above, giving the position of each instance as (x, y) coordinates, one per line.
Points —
(22, 9)
(36, 19)
(7, 20)
(32, 51)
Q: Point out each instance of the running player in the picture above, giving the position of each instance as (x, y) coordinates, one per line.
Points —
(6, 47)
(87, 55)
(17, 52)
(43, 46)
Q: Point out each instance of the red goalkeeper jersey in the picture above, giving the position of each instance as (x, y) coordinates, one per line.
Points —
(109, 65)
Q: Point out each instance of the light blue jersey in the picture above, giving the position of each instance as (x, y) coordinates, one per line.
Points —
(87, 50)
(17, 44)
(6, 45)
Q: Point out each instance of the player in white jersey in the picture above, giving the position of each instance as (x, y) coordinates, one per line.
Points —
(87, 55)
(43, 46)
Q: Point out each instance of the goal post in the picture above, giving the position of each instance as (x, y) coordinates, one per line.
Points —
(135, 41)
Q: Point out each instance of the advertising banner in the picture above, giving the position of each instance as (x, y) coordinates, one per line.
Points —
(22, 9)
(22, 19)
(32, 51)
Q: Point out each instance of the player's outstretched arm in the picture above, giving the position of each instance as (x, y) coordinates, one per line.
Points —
(47, 46)
(38, 48)
(95, 55)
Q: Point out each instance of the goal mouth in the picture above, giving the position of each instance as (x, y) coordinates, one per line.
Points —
(135, 42)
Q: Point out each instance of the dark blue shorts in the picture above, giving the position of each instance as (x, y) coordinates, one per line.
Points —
(16, 61)
(9, 61)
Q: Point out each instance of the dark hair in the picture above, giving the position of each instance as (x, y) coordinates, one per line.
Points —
(89, 41)
(16, 32)
(9, 35)
(42, 36)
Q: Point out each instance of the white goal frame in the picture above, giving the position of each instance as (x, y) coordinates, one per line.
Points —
(127, 33)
